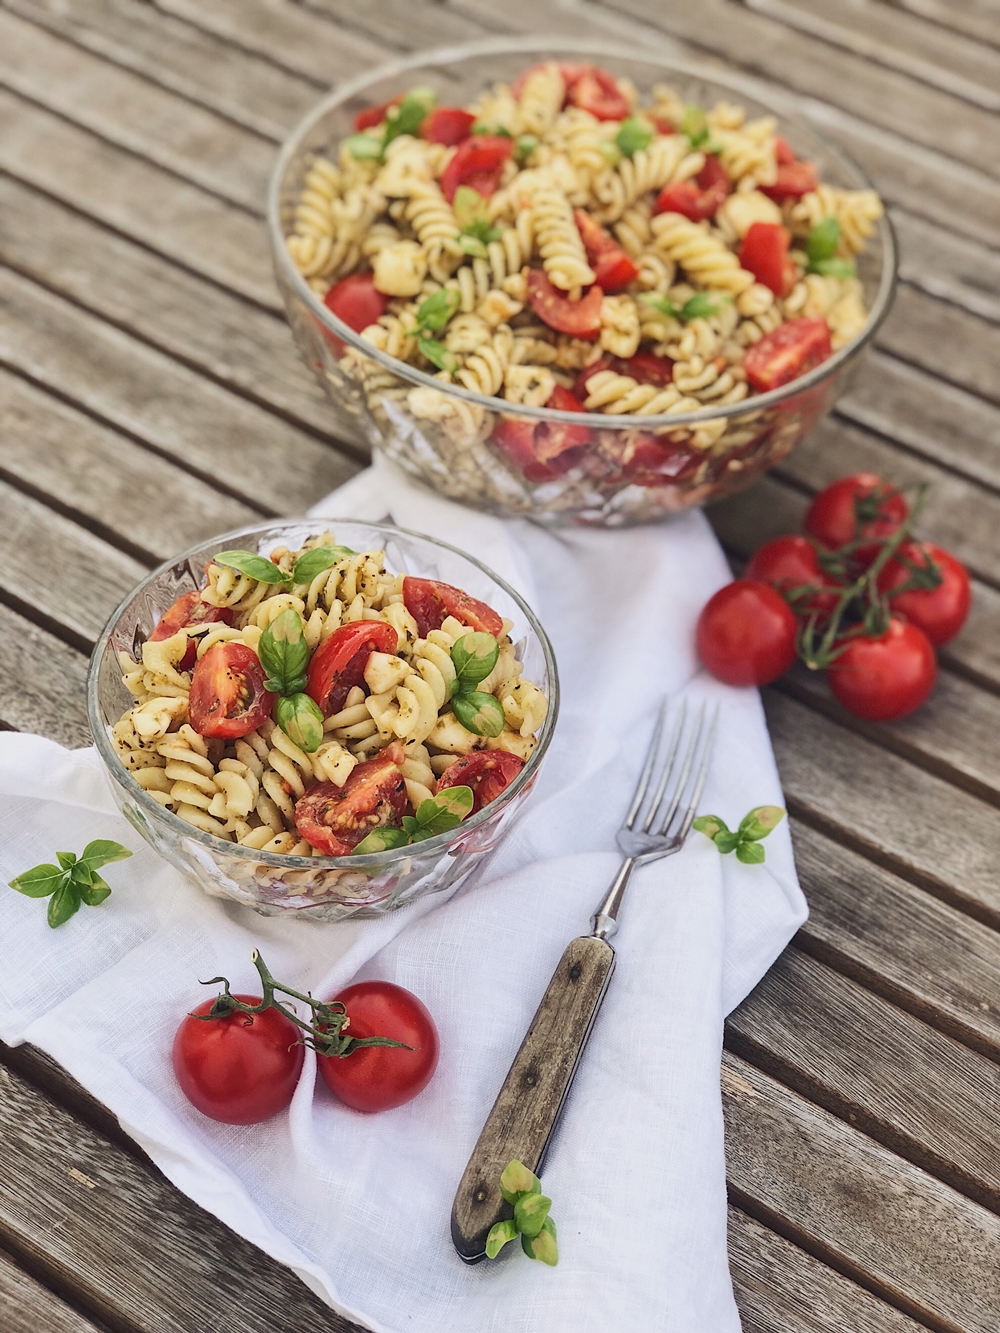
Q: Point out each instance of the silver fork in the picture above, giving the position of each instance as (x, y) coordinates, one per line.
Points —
(528, 1105)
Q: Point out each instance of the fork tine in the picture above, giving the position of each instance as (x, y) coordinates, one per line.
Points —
(647, 768)
(699, 782)
(668, 767)
(681, 783)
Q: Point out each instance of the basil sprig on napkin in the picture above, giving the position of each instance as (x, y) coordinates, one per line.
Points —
(284, 655)
(531, 1220)
(745, 842)
(73, 881)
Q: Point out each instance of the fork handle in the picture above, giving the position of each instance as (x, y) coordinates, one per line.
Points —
(528, 1105)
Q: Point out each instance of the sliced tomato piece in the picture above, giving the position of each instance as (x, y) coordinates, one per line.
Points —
(334, 819)
(764, 253)
(580, 319)
(357, 301)
(188, 610)
(542, 451)
(648, 368)
(448, 125)
(430, 603)
(784, 153)
(663, 126)
(477, 163)
(596, 91)
(374, 115)
(648, 460)
(793, 180)
(613, 268)
(228, 698)
(487, 772)
(553, 438)
(795, 347)
(604, 362)
(338, 664)
(699, 198)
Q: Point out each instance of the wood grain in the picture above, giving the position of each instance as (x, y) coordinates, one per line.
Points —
(35, 669)
(31, 1308)
(526, 1110)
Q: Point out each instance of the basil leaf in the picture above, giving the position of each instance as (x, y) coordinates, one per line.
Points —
(750, 853)
(254, 566)
(469, 207)
(102, 852)
(543, 1246)
(494, 128)
(39, 881)
(64, 903)
(633, 135)
(284, 653)
(530, 1213)
(500, 1234)
(66, 859)
(694, 123)
(315, 561)
(760, 821)
(94, 893)
(661, 303)
(301, 719)
(381, 840)
(834, 268)
(516, 1180)
(823, 240)
(474, 657)
(439, 814)
(435, 312)
(438, 354)
(472, 245)
(710, 825)
(524, 146)
(365, 147)
(703, 304)
(409, 114)
(479, 713)
(726, 842)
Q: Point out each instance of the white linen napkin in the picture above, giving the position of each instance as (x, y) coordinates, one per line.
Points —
(359, 1205)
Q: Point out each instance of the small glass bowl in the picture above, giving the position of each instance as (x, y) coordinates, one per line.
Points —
(611, 482)
(320, 888)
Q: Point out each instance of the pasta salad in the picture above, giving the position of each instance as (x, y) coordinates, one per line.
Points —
(314, 703)
(559, 244)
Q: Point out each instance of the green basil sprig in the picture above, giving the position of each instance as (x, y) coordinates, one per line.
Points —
(699, 306)
(73, 881)
(531, 1221)
(405, 117)
(524, 146)
(365, 147)
(440, 814)
(315, 561)
(381, 840)
(634, 134)
(301, 719)
(821, 250)
(472, 215)
(284, 653)
(254, 566)
(745, 842)
(474, 656)
(432, 315)
(479, 713)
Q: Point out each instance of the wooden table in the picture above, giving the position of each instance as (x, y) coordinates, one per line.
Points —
(152, 397)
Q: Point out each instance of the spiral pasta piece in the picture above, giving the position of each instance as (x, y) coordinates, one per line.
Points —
(704, 258)
(557, 240)
(668, 158)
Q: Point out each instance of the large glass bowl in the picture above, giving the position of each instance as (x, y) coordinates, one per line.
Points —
(715, 451)
(315, 887)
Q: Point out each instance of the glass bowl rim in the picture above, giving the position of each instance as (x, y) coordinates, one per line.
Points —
(285, 861)
(733, 81)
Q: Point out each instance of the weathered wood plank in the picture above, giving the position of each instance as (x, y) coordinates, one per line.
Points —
(35, 669)
(946, 265)
(31, 1308)
(134, 1251)
(233, 444)
(129, 496)
(915, 1090)
(781, 1289)
(916, 1242)
(948, 342)
(976, 18)
(400, 24)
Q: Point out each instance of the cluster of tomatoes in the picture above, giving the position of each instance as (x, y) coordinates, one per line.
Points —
(856, 596)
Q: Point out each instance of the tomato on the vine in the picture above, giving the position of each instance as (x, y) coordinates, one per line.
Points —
(791, 562)
(861, 505)
(187, 611)
(377, 1078)
(430, 602)
(746, 634)
(335, 819)
(228, 698)
(486, 772)
(884, 677)
(941, 611)
(237, 1068)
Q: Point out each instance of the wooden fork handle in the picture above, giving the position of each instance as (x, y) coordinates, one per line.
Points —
(528, 1105)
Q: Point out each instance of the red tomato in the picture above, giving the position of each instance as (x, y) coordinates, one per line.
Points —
(784, 153)
(374, 115)
(430, 603)
(334, 819)
(487, 772)
(239, 1068)
(597, 92)
(746, 634)
(793, 180)
(698, 199)
(228, 698)
(795, 347)
(189, 609)
(581, 319)
(792, 562)
(940, 612)
(448, 125)
(859, 505)
(764, 253)
(477, 163)
(886, 677)
(613, 268)
(516, 441)
(376, 1078)
(357, 301)
(338, 664)
(648, 368)
(552, 438)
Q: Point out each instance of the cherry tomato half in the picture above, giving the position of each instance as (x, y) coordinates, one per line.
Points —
(792, 562)
(239, 1068)
(338, 664)
(862, 504)
(580, 319)
(646, 367)
(698, 199)
(940, 612)
(189, 610)
(613, 268)
(376, 1078)
(334, 819)
(746, 634)
(357, 301)
(228, 698)
(764, 252)
(448, 125)
(793, 180)
(886, 677)
(596, 91)
(477, 163)
(430, 603)
(487, 772)
(792, 349)
(374, 115)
